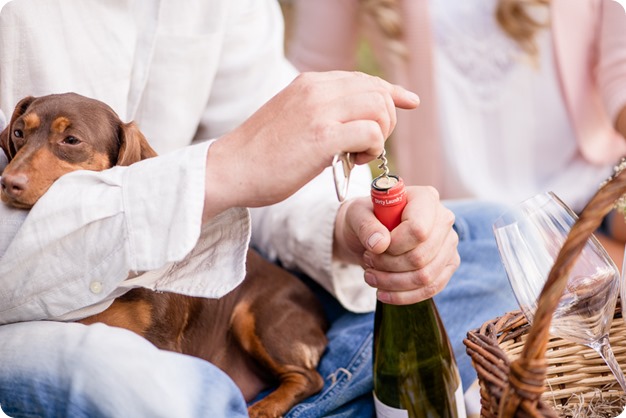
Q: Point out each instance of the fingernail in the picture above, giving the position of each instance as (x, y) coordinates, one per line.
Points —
(412, 97)
(370, 279)
(383, 297)
(374, 239)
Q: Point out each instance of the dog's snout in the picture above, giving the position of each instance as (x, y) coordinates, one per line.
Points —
(13, 184)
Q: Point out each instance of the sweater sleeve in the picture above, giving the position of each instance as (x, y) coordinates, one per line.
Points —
(611, 70)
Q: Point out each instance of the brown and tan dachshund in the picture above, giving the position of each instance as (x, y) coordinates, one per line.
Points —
(268, 332)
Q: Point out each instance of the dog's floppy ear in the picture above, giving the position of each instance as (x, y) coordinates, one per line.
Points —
(5, 136)
(4, 141)
(134, 146)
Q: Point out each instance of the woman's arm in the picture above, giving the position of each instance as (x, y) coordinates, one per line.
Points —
(611, 68)
(621, 122)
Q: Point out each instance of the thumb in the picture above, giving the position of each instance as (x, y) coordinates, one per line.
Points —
(378, 241)
(372, 234)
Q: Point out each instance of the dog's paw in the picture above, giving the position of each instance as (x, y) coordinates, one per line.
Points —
(263, 409)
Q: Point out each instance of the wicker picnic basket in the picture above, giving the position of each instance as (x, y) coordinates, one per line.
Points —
(522, 370)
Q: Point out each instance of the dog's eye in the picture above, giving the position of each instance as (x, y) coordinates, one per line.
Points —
(70, 140)
(18, 133)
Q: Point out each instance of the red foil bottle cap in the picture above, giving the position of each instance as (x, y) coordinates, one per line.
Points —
(389, 199)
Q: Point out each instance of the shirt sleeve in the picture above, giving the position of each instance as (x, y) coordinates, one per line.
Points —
(84, 237)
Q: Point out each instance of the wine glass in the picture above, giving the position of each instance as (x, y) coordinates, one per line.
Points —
(529, 237)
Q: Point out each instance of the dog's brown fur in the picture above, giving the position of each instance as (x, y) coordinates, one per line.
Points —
(269, 331)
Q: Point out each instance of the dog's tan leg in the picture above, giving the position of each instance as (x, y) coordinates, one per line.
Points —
(290, 356)
(296, 384)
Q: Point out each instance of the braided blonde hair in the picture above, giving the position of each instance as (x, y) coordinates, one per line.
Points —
(387, 16)
(512, 16)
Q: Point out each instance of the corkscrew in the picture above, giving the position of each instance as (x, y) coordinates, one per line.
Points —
(342, 166)
(384, 181)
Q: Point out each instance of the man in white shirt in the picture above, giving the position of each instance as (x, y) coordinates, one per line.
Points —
(188, 75)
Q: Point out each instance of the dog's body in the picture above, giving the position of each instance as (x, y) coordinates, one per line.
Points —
(268, 331)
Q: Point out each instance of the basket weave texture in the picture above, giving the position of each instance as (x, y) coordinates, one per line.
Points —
(522, 370)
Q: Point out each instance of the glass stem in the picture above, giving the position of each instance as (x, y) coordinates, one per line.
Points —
(603, 348)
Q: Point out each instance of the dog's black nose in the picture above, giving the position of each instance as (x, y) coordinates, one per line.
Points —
(13, 184)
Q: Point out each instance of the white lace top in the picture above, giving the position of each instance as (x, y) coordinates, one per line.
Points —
(505, 129)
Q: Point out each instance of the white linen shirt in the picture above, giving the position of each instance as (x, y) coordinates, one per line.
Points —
(184, 74)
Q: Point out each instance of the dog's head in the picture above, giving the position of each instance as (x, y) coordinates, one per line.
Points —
(53, 135)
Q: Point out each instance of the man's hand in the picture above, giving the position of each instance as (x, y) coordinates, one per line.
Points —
(409, 264)
(295, 135)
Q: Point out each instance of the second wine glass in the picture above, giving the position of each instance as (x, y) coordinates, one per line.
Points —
(529, 237)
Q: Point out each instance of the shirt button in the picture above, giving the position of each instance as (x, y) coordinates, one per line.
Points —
(95, 287)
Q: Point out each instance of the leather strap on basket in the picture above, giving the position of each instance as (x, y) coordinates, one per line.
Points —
(527, 374)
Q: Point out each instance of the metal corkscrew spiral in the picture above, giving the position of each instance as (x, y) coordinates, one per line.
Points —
(384, 181)
(383, 164)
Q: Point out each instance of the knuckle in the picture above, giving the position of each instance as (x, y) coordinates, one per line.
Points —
(433, 191)
(417, 259)
(373, 131)
(455, 240)
(421, 278)
(431, 290)
(322, 133)
(449, 216)
(307, 85)
(418, 230)
(427, 280)
(395, 298)
(305, 78)
(363, 230)
(456, 261)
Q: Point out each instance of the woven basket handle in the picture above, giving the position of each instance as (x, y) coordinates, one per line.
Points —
(527, 374)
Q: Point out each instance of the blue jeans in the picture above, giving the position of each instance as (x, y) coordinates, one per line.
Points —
(479, 289)
(50, 369)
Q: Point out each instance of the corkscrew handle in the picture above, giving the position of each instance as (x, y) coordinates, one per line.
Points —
(389, 199)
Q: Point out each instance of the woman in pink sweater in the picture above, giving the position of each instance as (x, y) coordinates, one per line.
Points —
(518, 96)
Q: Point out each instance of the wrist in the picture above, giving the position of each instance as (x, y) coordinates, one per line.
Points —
(220, 188)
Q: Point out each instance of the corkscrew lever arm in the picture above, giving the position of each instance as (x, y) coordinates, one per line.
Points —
(342, 166)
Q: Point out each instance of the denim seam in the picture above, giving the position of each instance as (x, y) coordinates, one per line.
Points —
(356, 363)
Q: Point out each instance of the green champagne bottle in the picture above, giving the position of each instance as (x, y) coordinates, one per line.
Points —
(415, 372)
